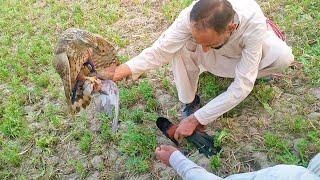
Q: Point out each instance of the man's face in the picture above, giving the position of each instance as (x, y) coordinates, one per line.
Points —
(209, 38)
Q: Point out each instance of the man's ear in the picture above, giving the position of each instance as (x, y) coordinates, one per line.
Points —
(231, 27)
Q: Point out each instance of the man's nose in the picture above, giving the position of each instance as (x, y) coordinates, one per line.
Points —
(205, 48)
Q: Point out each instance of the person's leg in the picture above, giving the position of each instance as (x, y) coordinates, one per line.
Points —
(277, 56)
(186, 75)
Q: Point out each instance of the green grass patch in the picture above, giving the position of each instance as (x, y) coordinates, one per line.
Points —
(137, 116)
(275, 142)
(215, 162)
(211, 86)
(169, 87)
(6, 175)
(173, 8)
(111, 14)
(280, 150)
(310, 60)
(152, 105)
(80, 168)
(138, 164)
(10, 154)
(146, 89)
(85, 142)
(296, 124)
(46, 143)
(300, 21)
(265, 94)
(138, 144)
(106, 130)
(13, 124)
(129, 96)
(123, 59)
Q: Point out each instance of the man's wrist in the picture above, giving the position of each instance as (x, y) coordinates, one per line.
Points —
(194, 120)
(121, 72)
(199, 117)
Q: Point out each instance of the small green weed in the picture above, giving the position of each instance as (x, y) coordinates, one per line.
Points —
(123, 59)
(211, 86)
(6, 175)
(106, 132)
(152, 105)
(169, 87)
(46, 143)
(219, 138)
(215, 162)
(85, 142)
(297, 124)
(265, 94)
(288, 158)
(275, 143)
(303, 145)
(138, 143)
(10, 154)
(111, 14)
(129, 96)
(137, 116)
(146, 89)
(137, 164)
(80, 168)
(280, 150)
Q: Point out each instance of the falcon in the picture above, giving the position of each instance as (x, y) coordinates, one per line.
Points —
(78, 56)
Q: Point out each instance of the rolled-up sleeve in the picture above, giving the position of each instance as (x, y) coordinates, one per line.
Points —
(163, 50)
(246, 73)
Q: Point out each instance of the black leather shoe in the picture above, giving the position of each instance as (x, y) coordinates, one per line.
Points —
(167, 128)
(202, 141)
(190, 108)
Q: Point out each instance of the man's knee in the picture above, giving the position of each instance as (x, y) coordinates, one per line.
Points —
(284, 58)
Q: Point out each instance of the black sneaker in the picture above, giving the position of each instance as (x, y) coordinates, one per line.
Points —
(190, 108)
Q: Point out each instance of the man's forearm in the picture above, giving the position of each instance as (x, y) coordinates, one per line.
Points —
(149, 59)
(114, 73)
(216, 107)
(188, 169)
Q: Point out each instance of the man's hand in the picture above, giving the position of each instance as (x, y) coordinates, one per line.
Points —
(121, 72)
(115, 73)
(186, 127)
(164, 152)
(201, 128)
(107, 73)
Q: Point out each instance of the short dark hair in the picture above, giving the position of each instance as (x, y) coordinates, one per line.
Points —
(214, 14)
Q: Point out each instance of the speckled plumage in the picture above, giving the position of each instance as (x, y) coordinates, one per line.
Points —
(71, 53)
